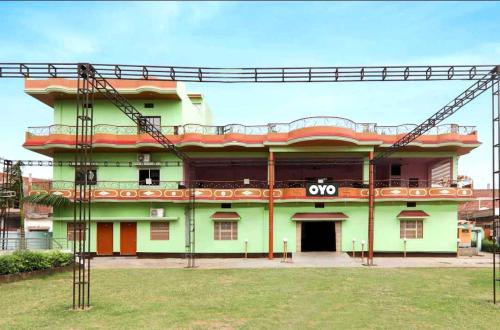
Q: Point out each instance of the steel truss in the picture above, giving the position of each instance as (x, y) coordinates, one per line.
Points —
(82, 189)
(6, 196)
(479, 87)
(192, 162)
(252, 74)
(485, 76)
(89, 83)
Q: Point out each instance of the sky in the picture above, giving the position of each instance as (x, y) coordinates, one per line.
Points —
(233, 34)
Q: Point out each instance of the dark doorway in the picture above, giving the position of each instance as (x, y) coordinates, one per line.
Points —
(318, 236)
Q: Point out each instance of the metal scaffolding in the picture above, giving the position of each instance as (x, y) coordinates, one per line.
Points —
(252, 74)
(6, 196)
(95, 77)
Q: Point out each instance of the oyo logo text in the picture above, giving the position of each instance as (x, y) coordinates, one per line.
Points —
(320, 189)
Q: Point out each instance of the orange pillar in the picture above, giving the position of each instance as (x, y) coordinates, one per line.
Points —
(371, 199)
(271, 203)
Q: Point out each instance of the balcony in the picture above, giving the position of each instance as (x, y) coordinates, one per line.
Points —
(295, 131)
(255, 190)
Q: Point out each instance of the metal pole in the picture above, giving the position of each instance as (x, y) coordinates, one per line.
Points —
(271, 204)
(495, 130)
(246, 248)
(371, 199)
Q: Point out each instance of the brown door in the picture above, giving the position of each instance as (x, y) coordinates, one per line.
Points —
(128, 238)
(104, 238)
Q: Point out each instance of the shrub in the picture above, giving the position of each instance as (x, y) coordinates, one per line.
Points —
(26, 261)
(487, 245)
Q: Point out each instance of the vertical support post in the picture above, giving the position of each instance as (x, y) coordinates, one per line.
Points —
(363, 251)
(190, 217)
(83, 186)
(371, 205)
(271, 204)
(404, 247)
(495, 130)
(5, 195)
(246, 248)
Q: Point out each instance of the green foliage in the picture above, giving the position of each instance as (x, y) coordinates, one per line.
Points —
(487, 245)
(17, 183)
(55, 201)
(25, 261)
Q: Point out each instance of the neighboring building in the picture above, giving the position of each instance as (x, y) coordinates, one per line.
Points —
(140, 208)
(36, 217)
(479, 210)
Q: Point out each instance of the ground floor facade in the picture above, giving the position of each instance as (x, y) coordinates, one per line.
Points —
(120, 228)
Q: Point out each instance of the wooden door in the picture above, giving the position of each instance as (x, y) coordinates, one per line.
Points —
(104, 238)
(128, 238)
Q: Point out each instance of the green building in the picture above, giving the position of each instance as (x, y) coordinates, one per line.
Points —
(316, 169)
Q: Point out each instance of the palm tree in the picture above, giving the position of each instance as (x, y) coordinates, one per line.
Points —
(48, 200)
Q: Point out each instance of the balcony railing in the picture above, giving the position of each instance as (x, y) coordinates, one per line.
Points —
(241, 184)
(323, 121)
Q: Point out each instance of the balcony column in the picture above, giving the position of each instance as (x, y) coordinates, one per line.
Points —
(271, 203)
(371, 199)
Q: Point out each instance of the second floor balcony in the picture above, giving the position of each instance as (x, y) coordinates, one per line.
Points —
(311, 127)
(255, 190)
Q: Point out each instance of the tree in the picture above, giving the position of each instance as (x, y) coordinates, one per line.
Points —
(48, 200)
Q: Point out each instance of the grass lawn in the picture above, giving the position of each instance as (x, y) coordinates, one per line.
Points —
(258, 298)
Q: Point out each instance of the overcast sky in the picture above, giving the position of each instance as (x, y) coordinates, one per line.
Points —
(263, 34)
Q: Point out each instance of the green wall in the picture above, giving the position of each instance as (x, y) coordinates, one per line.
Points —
(439, 229)
(125, 173)
(107, 113)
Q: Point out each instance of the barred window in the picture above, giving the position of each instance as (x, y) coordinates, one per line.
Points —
(411, 229)
(225, 230)
(159, 231)
(80, 231)
(155, 121)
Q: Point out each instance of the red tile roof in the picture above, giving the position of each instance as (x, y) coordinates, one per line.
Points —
(320, 216)
(225, 216)
(413, 214)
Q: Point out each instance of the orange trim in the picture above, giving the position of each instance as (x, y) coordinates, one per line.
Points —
(264, 194)
(301, 135)
(117, 83)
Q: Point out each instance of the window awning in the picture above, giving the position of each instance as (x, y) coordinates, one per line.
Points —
(324, 216)
(413, 214)
(225, 216)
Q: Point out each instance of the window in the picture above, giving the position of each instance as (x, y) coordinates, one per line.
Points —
(225, 230)
(91, 177)
(150, 177)
(411, 204)
(159, 231)
(149, 105)
(154, 120)
(411, 229)
(80, 231)
(396, 169)
(319, 205)
(225, 206)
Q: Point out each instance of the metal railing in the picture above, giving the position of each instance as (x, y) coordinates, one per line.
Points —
(35, 243)
(258, 184)
(320, 121)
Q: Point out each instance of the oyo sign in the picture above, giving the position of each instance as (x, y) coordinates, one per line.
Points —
(322, 189)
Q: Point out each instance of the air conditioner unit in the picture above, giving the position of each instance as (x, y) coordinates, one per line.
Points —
(156, 213)
(144, 158)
